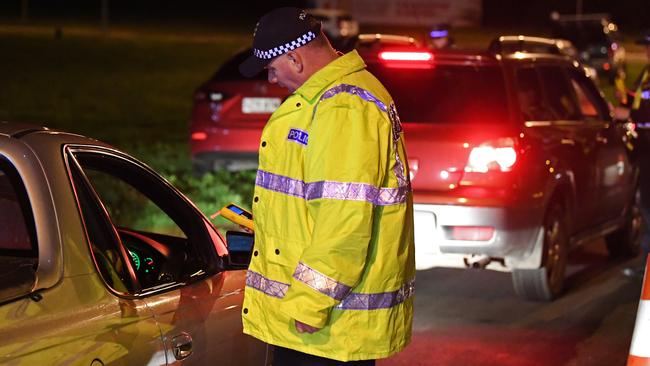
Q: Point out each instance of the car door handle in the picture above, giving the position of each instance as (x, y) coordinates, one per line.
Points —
(182, 346)
(601, 139)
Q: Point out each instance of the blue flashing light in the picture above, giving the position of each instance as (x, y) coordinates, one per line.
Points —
(439, 33)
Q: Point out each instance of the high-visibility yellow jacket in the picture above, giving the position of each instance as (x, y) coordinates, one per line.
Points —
(333, 221)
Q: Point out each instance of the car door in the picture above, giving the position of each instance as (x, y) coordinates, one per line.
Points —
(173, 254)
(77, 321)
(615, 179)
(574, 146)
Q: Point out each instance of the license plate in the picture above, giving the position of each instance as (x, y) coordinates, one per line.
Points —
(260, 105)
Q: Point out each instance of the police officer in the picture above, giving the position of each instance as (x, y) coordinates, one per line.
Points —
(640, 95)
(638, 100)
(332, 273)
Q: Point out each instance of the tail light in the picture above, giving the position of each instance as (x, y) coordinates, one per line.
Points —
(499, 155)
(412, 59)
(199, 136)
(405, 56)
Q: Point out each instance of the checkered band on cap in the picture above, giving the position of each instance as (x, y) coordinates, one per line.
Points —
(282, 49)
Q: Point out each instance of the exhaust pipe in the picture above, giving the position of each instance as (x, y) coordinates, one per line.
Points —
(477, 261)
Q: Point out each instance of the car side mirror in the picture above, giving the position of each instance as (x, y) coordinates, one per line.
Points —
(240, 248)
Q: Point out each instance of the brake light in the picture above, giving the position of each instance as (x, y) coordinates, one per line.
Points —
(606, 66)
(199, 136)
(406, 56)
(470, 233)
(500, 155)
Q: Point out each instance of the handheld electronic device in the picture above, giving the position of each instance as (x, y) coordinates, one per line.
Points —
(238, 215)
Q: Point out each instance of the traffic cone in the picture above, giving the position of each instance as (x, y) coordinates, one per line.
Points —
(640, 347)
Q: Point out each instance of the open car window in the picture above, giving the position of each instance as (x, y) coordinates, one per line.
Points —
(592, 106)
(144, 236)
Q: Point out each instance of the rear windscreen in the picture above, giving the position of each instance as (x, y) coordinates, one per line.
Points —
(582, 34)
(447, 94)
(229, 71)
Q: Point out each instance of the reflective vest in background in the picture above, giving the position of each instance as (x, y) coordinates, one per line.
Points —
(333, 221)
(640, 99)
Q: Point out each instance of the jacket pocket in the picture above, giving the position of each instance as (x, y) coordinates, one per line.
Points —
(282, 252)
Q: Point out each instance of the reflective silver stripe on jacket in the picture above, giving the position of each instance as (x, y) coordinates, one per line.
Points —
(269, 287)
(384, 300)
(332, 190)
(354, 90)
(320, 282)
(392, 115)
(353, 301)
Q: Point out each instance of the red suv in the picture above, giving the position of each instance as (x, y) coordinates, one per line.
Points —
(230, 111)
(228, 116)
(515, 159)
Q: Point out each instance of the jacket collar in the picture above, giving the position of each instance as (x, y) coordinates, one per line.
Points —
(321, 79)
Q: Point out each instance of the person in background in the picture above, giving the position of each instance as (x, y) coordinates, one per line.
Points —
(638, 100)
(439, 37)
(332, 274)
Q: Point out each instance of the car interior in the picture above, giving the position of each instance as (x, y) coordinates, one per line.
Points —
(156, 254)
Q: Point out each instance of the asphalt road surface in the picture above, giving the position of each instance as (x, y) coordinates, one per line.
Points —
(473, 317)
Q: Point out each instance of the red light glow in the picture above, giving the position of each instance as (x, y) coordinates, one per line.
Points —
(199, 136)
(481, 158)
(406, 56)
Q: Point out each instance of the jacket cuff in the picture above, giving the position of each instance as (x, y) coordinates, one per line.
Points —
(306, 305)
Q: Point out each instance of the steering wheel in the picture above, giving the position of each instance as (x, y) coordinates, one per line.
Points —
(167, 268)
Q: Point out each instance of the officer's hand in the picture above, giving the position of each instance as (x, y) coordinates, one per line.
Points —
(304, 328)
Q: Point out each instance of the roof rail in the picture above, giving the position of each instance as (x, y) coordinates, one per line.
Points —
(529, 44)
(578, 17)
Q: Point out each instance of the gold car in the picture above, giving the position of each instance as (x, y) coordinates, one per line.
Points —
(85, 280)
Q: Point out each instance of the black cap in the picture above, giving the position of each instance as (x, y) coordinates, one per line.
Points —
(278, 32)
(645, 39)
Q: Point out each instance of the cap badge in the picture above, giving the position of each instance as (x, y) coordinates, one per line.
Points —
(302, 15)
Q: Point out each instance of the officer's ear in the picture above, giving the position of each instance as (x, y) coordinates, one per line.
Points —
(295, 61)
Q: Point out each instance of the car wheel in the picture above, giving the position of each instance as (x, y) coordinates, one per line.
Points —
(626, 242)
(547, 282)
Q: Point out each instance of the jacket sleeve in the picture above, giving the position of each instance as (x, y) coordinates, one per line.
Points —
(345, 163)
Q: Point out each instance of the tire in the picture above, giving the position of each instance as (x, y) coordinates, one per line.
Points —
(546, 283)
(626, 242)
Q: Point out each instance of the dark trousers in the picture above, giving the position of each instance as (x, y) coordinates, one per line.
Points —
(288, 357)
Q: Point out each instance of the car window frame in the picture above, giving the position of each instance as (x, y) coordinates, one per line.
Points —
(515, 79)
(592, 94)
(72, 163)
(560, 69)
(31, 256)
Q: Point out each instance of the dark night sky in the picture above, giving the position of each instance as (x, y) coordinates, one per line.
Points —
(632, 14)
